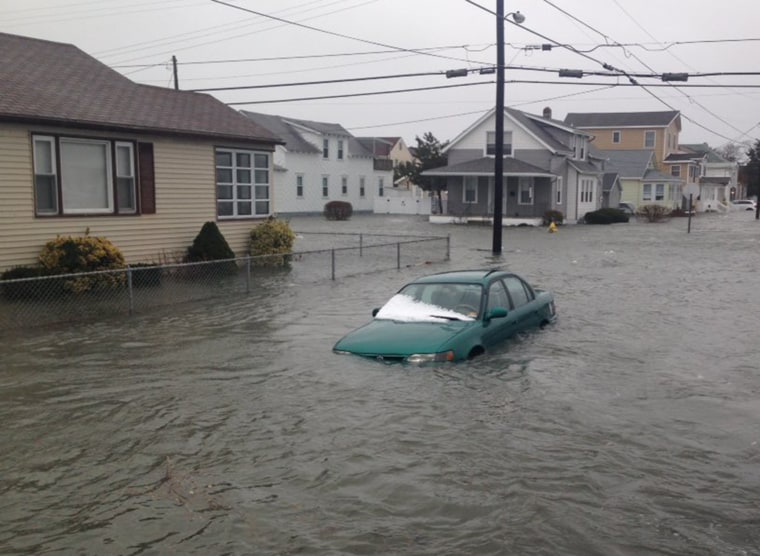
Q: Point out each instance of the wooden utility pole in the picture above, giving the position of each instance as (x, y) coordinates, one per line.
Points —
(174, 70)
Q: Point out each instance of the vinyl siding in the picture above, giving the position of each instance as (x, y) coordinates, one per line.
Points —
(185, 200)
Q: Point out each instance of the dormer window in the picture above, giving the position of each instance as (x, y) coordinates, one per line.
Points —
(491, 143)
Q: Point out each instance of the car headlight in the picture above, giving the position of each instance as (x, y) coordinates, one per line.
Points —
(341, 352)
(431, 357)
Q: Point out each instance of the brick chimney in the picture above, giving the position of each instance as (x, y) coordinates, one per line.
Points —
(548, 113)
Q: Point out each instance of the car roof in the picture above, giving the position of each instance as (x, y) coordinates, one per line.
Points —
(461, 276)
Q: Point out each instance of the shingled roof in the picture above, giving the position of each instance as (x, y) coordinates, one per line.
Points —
(55, 83)
(594, 120)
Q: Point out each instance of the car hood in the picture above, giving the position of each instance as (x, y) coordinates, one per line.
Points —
(389, 338)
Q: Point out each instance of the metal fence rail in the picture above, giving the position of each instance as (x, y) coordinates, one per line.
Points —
(93, 295)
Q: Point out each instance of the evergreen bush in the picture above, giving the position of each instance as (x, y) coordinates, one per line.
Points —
(70, 255)
(605, 216)
(271, 237)
(209, 245)
(555, 216)
(338, 210)
(32, 289)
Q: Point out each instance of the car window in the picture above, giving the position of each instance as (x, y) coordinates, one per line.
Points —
(497, 296)
(517, 291)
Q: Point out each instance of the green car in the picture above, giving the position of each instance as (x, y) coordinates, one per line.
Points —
(450, 316)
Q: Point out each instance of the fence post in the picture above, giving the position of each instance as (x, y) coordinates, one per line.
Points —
(361, 244)
(129, 290)
(248, 275)
(332, 256)
(448, 247)
(398, 256)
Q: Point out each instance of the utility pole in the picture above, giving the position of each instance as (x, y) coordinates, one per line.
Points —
(498, 174)
(174, 69)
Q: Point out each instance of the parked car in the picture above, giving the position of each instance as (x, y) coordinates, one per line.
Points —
(450, 316)
(628, 208)
(743, 204)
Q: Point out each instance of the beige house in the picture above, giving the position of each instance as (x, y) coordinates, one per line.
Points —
(654, 131)
(85, 150)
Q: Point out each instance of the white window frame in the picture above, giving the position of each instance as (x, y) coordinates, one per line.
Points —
(126, 174)
(340, 149)
(491, 143)
(653, 134)
(51, 172)
(524, 185)
(617, 135)
(470, 183)
(325, 186)
(299, 186)
(646, 192)
(675, 170)
(659, 192)
(362, 186)
(325, 148)
(255, 184)
(109, 208)
(344, 185)
(558, 191)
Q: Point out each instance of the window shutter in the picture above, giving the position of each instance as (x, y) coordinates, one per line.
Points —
(147, 179)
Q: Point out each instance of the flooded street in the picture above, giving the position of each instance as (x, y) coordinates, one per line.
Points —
(229, 427)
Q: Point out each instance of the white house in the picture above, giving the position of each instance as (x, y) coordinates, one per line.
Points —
(322, 162)
(546, 167)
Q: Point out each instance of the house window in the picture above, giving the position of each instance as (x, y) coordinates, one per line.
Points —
(646, 194)
(299, 185)
(659, 192)
(649, 139)
(470, 191)
(84, 176)
(675, 170)
(558, 193)
(344, 185)
(362, 189)
(242, 183)
(491, 143)
(380, 186)
(587, 191)
(525, 195)
(340, 149)
(325, 148)
(325, 186)
(616, 137)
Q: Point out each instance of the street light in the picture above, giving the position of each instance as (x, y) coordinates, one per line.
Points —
(498, 196)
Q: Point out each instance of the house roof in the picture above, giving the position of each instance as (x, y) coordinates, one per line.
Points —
(294, 141)
(704, 149)
(379, 146)
(655, 175)
(627, 163)
(58, 84)
(682, 157)
(321, 127)
(609, 180)
(592, 120)
(485, 167)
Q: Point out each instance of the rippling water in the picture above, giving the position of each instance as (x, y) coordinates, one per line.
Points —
(629, 427)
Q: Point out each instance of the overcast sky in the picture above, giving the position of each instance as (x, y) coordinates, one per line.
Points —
(348, 39)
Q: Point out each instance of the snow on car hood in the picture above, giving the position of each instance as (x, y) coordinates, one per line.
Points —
(401, 307)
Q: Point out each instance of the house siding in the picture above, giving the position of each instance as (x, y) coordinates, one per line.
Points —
(185, 200)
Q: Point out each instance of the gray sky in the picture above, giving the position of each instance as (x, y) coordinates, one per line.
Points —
(346, 39)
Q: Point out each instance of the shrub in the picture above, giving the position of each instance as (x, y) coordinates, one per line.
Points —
(209, 245)
(653, 213)
(605, 216)
(145, 275)
(555, 216)
(32, 289)
(272, 237)
(338, 210)
(70, 255)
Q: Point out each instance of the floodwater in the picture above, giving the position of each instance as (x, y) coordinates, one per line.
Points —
(631, 426)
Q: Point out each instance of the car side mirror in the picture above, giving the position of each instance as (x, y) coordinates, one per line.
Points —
(496, 313)
(375, 311)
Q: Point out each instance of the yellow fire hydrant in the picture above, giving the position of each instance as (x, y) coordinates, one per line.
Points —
(552, 227)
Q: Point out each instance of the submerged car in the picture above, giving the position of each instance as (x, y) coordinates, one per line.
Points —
(450, 316)
(743, 204)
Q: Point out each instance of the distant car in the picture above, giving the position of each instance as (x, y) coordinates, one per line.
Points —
(628, 208)
(743, 204)
(450, 316)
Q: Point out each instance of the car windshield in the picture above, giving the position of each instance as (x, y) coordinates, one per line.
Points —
(434, 303)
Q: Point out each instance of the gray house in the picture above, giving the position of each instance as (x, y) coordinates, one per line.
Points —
(639, 181)
(547, 166)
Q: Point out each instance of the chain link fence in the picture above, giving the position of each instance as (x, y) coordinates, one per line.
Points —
(38, 301)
